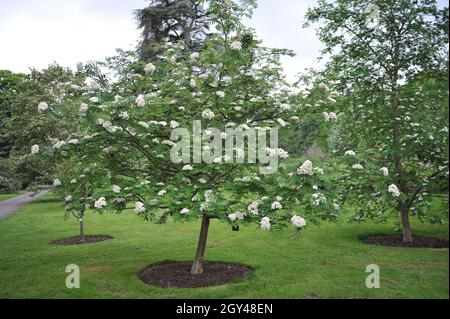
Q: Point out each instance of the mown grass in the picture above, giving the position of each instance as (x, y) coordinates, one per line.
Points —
(325, 262)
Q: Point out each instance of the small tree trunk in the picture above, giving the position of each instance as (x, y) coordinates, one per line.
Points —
(197, 265)
(81, 221)
(406, 227)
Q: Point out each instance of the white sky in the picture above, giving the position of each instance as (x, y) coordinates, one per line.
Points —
(38, 32)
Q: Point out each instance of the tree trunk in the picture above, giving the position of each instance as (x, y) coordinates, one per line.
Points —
(406, 227)
(81, 228)
(197, 265)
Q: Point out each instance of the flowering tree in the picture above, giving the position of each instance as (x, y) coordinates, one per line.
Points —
(139, 127)
(79, 184)
(387, 59)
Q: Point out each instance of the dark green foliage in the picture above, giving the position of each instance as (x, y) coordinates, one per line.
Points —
(171, 20)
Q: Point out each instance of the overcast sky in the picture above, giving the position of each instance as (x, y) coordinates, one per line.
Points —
(36, 33)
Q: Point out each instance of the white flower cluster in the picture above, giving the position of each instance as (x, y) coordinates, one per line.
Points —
(34, 149)
(236, 46)
(253, 208)
(350, 153)
(149, 68)
(210, 198)
(100, 203)
(139, 207)
(265, 223)
(306, 168)
(385, 171)
(56, 182)
(208, 114)
(357, 166)
(236, 215)
(331, 116)
(276, 205)
(116, 189)
(298, 221)
(42, 106)
(318, 198)
(393, 189)
(184, 211)
(140, 100)
(84, 108)
(281, 153)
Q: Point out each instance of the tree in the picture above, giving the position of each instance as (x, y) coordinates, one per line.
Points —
(140, 127)
(27, 125)
(394, 130)
(8, 86)
(9, 82)
(78, 182)
(171, 20)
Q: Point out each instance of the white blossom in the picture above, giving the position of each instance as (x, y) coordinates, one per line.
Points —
(232, 217)
(100, 203)
(236, 45)
(306, 168)
(149, 68)
(140, 100)
(357, 166)
(143, 124)
(94, 99)
(393, 189)
(42, 106)
(56, 182)
(253, 208)
(34, 149)
(187, 168)
(220, 94)
(208, 114)
(276, 205)
(68, 198)
(124, 116)
(385, 171)
(298, 221)
(162, 192)
(139, 207)
(174, 124)
(281, 122)
(83, 109)
(184, 211)
(195, 55)
(116, 189)
(265, 223)
(59, 144)
(350, 153)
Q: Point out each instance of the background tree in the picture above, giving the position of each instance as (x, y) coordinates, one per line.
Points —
(171, 20)
(9, 82)
(397, 128)
(28, 125)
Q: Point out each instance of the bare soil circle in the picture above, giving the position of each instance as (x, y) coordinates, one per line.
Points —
(178, 274)
(396, 241)
(75, 240)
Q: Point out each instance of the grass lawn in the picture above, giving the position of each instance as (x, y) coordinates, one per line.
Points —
(327, 262)
(5, 196)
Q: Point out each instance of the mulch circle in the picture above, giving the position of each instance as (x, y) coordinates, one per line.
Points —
(75, 240)
(396, 241)
(178, 274)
